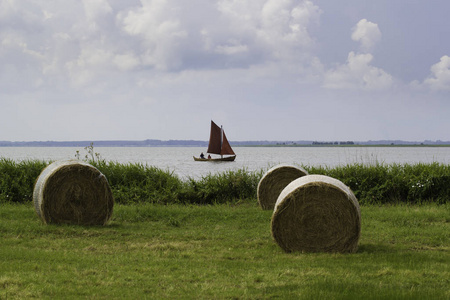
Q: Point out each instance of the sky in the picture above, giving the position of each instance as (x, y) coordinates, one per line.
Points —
(279, 70)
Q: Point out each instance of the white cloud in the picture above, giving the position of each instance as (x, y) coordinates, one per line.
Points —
(16, 43)
(272, 29)
(92, 63)
(96, 8)
(179, 35)
(80, 40)
(234, 47)
(440, 78)
(158, 26)
(367, 33)
(358, 73)
(126, 62)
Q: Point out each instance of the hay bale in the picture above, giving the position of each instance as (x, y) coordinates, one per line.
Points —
(73, 192)
(317, 213)
(274, 181)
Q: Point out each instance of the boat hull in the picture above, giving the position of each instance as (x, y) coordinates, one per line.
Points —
(228, 158)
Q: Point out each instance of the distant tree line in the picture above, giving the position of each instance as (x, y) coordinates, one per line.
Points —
(197, 143)
(334, 143)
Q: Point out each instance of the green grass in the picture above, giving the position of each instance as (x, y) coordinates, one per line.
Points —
(221, 251)
(137, 183)
(17, 179)
(393, 183)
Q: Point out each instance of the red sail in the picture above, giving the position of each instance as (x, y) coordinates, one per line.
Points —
(215, 139)
(218, 143)
(226, 148)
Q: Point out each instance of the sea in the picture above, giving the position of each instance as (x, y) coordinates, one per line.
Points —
(179, 160)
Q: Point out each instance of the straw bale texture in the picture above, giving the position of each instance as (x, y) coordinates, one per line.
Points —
(317, 213)
(274, 181)
(73, 192)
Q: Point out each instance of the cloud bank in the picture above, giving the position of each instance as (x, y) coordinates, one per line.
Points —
(133, 61)
(87, 40)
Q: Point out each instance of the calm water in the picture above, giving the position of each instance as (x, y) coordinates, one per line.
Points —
(180, 161)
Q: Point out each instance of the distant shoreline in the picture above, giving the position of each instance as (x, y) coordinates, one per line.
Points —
(349, 146)
(197, 143)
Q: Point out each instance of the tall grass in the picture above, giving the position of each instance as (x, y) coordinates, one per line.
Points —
(17, 179)
(405, 183)
(136, 183)
(229, 186)
(133, 183)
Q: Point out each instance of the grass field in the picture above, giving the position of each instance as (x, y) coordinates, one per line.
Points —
(220, 252)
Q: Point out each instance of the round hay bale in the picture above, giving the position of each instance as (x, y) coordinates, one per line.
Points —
(73, 192)
(274, 181)
(317, 213)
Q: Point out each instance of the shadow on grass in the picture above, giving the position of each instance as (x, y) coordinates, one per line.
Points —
(375, 248)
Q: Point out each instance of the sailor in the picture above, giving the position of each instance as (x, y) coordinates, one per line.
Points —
(202, 155)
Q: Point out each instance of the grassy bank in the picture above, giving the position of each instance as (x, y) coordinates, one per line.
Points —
(133, 183)
(220, 252)
(394, 183)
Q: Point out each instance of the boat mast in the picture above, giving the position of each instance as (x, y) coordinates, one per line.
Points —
(221, 140)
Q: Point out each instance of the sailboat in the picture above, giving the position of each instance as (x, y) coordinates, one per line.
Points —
(218, 144)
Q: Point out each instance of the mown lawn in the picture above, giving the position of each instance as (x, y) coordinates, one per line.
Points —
(220, 252)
